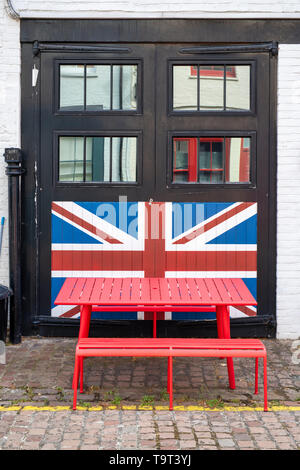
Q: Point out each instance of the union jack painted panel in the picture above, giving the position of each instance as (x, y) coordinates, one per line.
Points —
(165, 239)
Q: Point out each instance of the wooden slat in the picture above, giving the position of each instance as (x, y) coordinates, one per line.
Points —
(244, 291)
(164, 290)
(191, 343)
(184, 292)
(145, 290)
(126, 290)
(154, 289)
(77, 291)
(235, 294)
(86, 294)
(195, 295)
(116, 289)
(211, 286)
(175, 294)
(97, 290)
(205, 294)
(65, 291)
(106, 290)
(226, 297)
(136, 290)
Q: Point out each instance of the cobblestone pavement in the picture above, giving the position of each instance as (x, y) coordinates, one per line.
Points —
(125, 405)
(144, 430)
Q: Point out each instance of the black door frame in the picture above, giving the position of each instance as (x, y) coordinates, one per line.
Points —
(96, 32)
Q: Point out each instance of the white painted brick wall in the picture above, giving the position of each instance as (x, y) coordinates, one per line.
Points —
(288, 178)
(288, 234)
(9, 116)
(158, 8)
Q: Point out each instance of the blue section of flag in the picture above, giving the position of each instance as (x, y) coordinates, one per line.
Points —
(56, 285)
(63, 232)
(244, 233)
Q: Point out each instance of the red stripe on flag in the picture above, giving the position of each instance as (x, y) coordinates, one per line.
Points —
(84, 224)
(248, 311)
(67, 260)
(70, 313)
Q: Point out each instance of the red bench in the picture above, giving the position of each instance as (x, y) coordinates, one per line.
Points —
(169, 347)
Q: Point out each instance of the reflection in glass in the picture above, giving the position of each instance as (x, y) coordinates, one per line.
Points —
(204, 87)
(71, 158)
(238, 88)
(211, 88)
(97, 87)
(71, 87)
(238, 159)
(124, 87)
(97, 159)
(184, 88)
(218, 159)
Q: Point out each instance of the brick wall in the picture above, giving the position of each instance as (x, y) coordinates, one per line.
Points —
(9, 115)
(288, 233)
(158, 8)
(288, 180)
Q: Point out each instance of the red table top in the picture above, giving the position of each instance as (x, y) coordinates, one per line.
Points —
(154, 291)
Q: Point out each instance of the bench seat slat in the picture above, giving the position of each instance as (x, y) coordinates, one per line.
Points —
(192, 343)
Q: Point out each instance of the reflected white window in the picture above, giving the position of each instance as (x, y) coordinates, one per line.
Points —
(206, 87)
(102, 87)
(71, 87)
(184, 88)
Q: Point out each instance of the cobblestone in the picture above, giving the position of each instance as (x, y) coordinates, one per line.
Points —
(39, 373)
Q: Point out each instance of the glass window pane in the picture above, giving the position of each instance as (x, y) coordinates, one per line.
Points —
(217, 155)
(185, 88)
(71, 158)
(97, 87)
(181, 177)
(124, 87)
(124, 152)
(71, 87)
(211, 88)
(204, 155)
(220, 159)
(237, 159)
(185, 159)
(238, 87)
(98, 159)
(181, 154)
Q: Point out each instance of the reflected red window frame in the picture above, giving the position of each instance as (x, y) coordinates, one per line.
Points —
(230, 71)
(192, 158)
(211, 141)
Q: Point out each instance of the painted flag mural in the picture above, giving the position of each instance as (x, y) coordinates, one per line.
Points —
(144, 239)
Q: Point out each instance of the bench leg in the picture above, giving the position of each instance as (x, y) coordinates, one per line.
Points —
(256, 376)
(265, 385)
(75, 381)
(81, 374)
(170, 381)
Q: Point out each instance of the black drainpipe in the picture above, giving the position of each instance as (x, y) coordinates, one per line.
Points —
(14, 170)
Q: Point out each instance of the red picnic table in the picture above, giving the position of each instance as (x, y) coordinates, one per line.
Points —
(157, 295)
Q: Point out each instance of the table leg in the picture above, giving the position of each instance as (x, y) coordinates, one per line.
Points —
(223, 324)
(154, 324)
(85, 319)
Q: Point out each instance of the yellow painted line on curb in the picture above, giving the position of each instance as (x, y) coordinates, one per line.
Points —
(146, 408)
